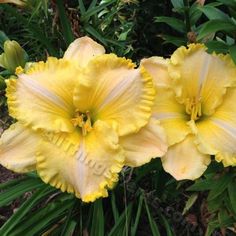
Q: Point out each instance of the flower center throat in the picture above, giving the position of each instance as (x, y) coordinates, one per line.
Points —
(193, 107)
(83, 121)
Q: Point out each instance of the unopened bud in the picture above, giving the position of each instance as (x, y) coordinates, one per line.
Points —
(13, 56)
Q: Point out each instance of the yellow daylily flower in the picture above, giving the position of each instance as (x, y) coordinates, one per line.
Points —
(81, 119)
(195, 103)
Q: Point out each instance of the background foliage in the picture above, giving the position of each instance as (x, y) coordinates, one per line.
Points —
(146, 201)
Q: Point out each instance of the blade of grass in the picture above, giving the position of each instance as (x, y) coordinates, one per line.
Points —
(25, 208)
(35, 31)
(166, 224)
(114, 207)
(65, 230)
(95, 10)
(50, 218)
(138, 214)
(81, 7)
(10, 183)
(120, 226)
(65, 23)
(95, 34)
(152, 222)
(92, 4)
(97, 227)
(17, 190)
(41, 217)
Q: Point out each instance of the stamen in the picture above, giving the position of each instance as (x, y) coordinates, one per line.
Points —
(83, 121)
(193, 107)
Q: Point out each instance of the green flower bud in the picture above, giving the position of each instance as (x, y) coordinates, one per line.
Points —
(13, 56)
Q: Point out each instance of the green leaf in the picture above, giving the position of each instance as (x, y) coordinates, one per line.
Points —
(138, 214)
(217, 46)
(152, 223)
(225, 220)
(3, 38)
(10, 183)
(213, 13)
(37, 33)
(65, 23)
(95, 34)
(42, 218)
(97, 227)
(92, 4)
(166, 224)
(232, 52)
(172, 22)
(94, 10)
(215, 204)
(120, 227)
(214, 26)
(82, 7)
(194, 14)
(192, 199)
(232, 195)
(2, 83)
(177, 3)
(114, 207)
(25, 208)
(69, 225)
(15, 191)
(230, 3)
(177, 41)
(202, 185)
(220, 185)
(211, 227)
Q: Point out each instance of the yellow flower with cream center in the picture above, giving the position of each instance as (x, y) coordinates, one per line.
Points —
(195, 103)
(80, 119)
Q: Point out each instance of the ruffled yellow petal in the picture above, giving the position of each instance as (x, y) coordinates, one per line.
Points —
(148, 143)
(184, 161)
(171, 115)
(114, 92)
(43, 97)
(85, 166)
(17, 148)
(82, 50)
(217, 134)
(157, 67)
(199, 77)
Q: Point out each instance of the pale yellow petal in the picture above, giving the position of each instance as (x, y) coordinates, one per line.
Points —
(184, 161)
(149, 142)
(114, 92)
(17, 2)
(157, 67)
(200, 76)
(85, 166)
(217, 134)
(17, 148)
(82, 50)
(43, 96)
(171, 115)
